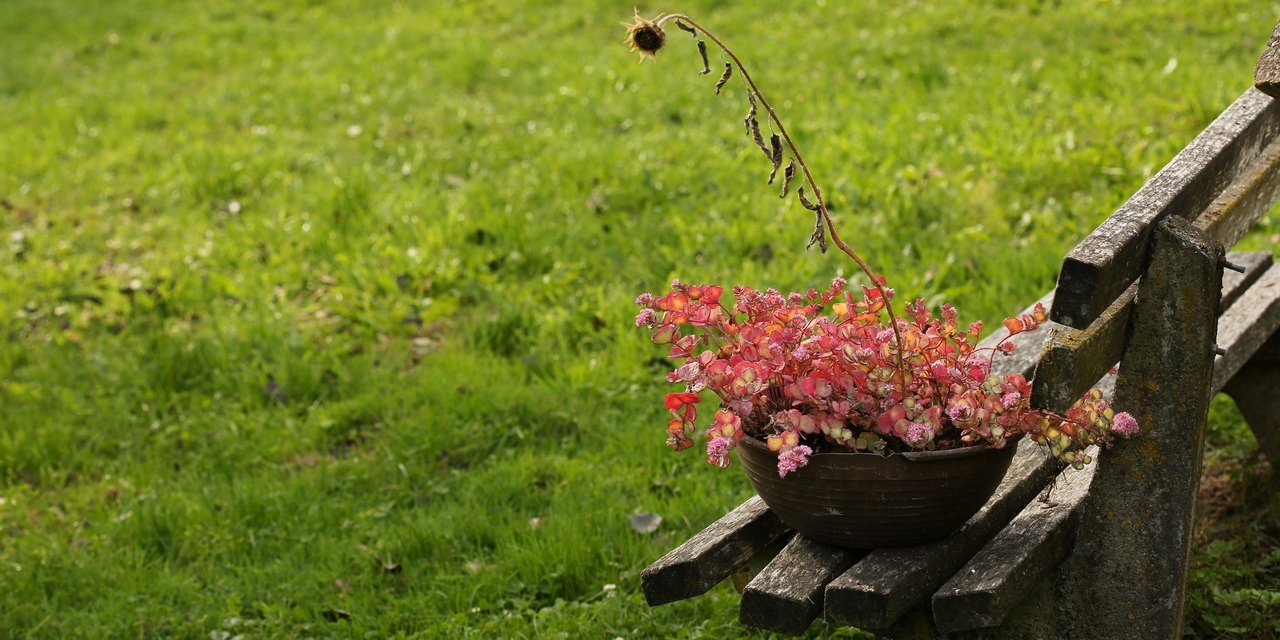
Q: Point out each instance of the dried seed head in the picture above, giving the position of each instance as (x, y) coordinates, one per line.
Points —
(645, 36)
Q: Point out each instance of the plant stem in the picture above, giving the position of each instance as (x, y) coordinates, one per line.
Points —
(817, 192)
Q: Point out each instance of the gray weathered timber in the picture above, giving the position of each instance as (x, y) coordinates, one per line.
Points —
(1266, 76)
(887, 583)
(1249, 323)
(1076, 359)
(983, 592)
(1245, 200)
(1102, 266)
(1234, 284)
(1135, 534)
(1269, 351)
(1254, 390)
(786, 596)
(710, 556)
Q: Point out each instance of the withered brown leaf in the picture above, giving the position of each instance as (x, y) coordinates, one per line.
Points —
(702, 50)
(787, 175)
(805, 202)
(775, 154)
(724, 77)
(819, 234)
(753, 127)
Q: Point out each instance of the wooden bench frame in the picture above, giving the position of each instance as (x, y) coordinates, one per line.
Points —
(1106, 552)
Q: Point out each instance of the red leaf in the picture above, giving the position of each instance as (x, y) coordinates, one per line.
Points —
(675, 401)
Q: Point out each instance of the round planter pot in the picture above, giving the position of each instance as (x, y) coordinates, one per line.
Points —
(865, 500)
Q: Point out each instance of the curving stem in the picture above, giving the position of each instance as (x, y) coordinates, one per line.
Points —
(817, 192)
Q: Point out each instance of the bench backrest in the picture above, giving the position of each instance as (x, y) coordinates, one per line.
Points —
(1143, 291)
(1223, 182)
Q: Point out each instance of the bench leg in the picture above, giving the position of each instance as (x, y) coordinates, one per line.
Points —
(1127, 576)
(1255, 390)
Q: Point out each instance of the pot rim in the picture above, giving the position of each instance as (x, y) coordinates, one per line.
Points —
(913, 456)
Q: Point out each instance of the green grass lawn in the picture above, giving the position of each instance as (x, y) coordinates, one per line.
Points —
(318, 314)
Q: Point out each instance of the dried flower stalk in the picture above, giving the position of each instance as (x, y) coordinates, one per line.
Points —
(647, 37)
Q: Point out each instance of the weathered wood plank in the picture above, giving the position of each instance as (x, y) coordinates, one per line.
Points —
(1245, 200)
(1133, 537)
(710, 556)
(1077, 358)
(786, 596)
(1135, 533)
(1249, 323)
(1269, 351)
(1102, 266)
(983, 592)
(1254, 390)
(1266, 75)
(888, 582)
(1235, 283)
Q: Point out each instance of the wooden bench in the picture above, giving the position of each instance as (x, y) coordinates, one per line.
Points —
(1105, 552)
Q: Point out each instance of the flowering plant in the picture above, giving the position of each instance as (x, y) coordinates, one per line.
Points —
(837, 370)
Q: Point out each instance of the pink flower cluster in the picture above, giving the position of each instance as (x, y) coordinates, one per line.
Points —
(822, 371)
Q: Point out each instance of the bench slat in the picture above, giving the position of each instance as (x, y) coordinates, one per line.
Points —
(983, 592)
(1244, 201)
(1254, 390)
(1078, 358)
(1102, 266)
(786, 596)
(888, 582)
(710, 556)
(1247, 325)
